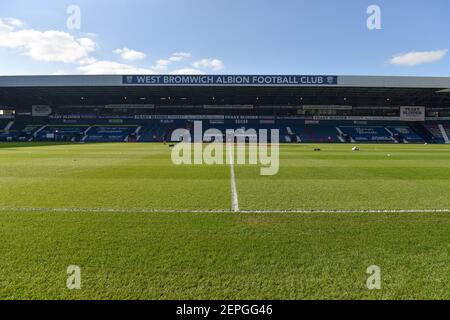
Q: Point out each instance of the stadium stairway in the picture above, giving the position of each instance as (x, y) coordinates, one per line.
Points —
(373, 134)
(19, 130)
(35, 134)
(447, 129)
(8, 126)
(85, 134)
(434, 132)
(444, 133)
(4, 124)
(291, 136)
(405, 134)
(421, 131)
(136, 133)
(396, 140)
(341, 136)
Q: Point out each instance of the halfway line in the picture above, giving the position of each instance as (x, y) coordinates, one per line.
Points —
(234, 196)
(136, 210)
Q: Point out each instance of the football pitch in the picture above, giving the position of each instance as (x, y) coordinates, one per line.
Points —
(140, 227)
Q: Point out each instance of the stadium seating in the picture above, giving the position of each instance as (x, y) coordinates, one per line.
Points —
(436, 132)
(151, 134)
(109, 133)
(405, 134)
(367, 134)
(318, 133)
(146, 135)
(291, 130)
(19, 131)
(65, 133)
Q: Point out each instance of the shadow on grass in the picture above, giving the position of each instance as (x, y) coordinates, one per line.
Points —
(14, 145)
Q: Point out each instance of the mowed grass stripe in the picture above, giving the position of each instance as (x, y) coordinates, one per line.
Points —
(109, 175)
(338, 179)
(223, 256)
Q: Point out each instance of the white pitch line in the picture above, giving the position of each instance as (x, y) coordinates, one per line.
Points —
(130, 210)
(234, 195)
(350, 211)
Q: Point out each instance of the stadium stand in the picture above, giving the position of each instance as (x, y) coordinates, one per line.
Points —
(291, 130)
(305, 109)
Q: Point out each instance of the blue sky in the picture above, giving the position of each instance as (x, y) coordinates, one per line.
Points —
(225, 37)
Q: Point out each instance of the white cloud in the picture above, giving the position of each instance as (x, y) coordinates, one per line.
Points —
(188, 71)
(111, 67)
(162, 64)
(213, 64)
(129, 54)
(176, 59)
(91, 35)
(62, 47)
(47, 46)
(417, 57)
(14, 22)
(179, 56)
(5, 26)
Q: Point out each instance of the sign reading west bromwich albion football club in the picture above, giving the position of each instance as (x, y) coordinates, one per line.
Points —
(229, 80)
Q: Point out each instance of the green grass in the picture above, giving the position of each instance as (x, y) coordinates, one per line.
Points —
(376, 178)
(133, 255)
